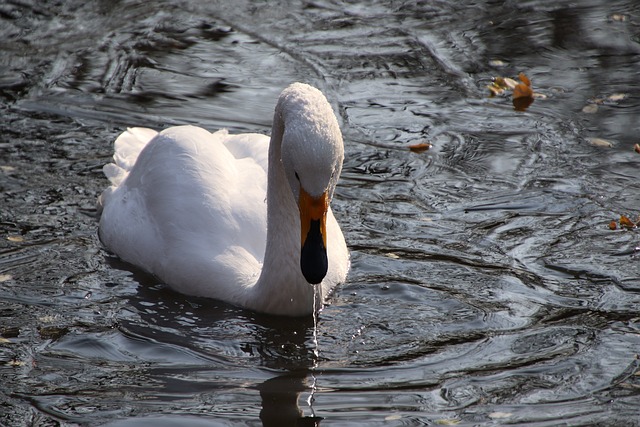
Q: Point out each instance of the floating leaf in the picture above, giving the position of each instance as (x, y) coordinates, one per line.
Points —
(522, 103)
(509, 83)
(590, 108)
(600, 142)
(626, 222)
(3, 340)
(420, 148)
(499, 415)
(615, 97)
(501, 84)
(5, 277)
(498, 63)
(522, 93)
(16, 239)
(636, 148)
(495, 89)
(448, 422)
(52, 332)
(524, 79)
(613, 225)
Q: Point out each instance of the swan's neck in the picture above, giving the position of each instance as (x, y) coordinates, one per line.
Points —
(281, 284)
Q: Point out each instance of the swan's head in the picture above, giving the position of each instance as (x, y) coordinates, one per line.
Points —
(312, 152)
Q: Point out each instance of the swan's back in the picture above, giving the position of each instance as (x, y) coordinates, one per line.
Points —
(184, 204)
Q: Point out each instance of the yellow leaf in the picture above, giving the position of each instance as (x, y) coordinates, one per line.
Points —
(617, 97)
(393, 417)
(509, 83)
(499, 415)
(600, 142)
(498, 63)
(16, 239)
(448, 422)
(495, 90)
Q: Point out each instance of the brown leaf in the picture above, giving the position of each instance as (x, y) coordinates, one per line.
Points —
(636, 148)
(626, 222)
(524, 79)
(420, 148)
(522, 103)
(522, 93)
(613, 225)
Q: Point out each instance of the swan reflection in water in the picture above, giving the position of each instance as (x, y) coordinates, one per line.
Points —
(280, 396)
(228, 340)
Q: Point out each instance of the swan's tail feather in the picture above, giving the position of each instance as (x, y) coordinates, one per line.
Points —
(129, 145)
(127, 148)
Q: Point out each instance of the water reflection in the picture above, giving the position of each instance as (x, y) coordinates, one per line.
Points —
(280, 396)
(203, 339)
(486, 286)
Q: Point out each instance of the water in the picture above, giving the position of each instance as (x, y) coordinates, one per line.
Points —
(486, 287)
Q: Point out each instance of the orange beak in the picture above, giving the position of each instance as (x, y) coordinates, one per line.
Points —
(313, 236)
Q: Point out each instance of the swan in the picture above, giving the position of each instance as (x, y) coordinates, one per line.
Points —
(244, 218)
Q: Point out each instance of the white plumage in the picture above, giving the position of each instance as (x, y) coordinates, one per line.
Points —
(219, 215)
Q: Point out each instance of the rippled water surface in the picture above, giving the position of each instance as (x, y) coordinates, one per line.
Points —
(486, 286)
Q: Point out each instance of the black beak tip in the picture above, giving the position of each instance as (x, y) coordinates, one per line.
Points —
(313, 257)
(314, 269)
(314, 272)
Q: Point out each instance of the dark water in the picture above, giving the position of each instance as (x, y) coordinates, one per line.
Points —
(486, 286)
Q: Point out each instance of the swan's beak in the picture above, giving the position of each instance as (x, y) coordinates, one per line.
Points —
(313, 223)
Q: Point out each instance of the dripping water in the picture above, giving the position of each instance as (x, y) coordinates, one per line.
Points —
(314, 341)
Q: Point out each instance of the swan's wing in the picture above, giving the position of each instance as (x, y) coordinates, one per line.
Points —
(190, 212)
(249, 146)
(127, 149)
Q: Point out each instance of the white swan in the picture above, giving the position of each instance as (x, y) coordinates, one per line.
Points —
(207, 214)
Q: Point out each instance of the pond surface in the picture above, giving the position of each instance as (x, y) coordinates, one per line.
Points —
(486, 285)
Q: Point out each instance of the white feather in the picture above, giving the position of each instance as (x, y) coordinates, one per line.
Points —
(190, 206)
